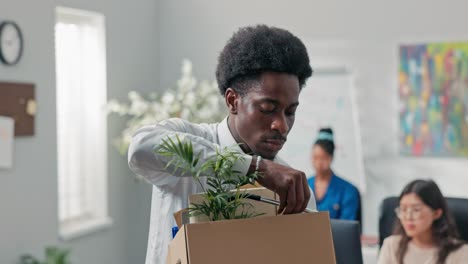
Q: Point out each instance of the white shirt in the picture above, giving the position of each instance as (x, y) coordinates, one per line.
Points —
(171, 191)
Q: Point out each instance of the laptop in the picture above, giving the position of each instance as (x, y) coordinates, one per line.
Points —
(347, 241)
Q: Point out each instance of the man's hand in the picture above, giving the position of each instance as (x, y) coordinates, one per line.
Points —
(290, 184)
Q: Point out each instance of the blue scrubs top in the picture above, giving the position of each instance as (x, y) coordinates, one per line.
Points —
(341, 199)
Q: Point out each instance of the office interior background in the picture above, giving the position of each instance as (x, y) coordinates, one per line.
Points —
(145, 42)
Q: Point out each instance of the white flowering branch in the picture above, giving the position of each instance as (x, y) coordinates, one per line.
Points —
(198, 102)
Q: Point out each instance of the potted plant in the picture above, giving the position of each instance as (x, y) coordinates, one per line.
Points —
(223, 196)
(53, 255)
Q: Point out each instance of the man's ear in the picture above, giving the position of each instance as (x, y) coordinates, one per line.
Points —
(232, 100)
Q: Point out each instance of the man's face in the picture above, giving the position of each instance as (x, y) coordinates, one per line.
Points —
(262, 118)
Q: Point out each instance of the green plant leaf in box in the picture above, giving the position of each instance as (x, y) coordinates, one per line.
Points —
(223, 198)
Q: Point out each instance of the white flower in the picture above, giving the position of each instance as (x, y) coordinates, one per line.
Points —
(138, 107)
(155, 106)
(185, 114)
(186, 84)
(113, 106)
(175, 109)
(186, 67)
(132, 95)
(168, 98)
(188, 99)
(204, 114)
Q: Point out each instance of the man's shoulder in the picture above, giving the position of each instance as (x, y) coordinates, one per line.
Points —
(190, 127)
(183, 122)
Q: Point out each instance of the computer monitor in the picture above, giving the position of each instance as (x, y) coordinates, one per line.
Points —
(347, 241)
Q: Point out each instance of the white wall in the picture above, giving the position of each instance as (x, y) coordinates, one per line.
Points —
(361, 34)
(28, 192)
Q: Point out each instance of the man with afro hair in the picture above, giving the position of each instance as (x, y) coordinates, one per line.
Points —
(260, 73)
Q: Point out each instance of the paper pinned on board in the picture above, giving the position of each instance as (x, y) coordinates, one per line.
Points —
(7, 134)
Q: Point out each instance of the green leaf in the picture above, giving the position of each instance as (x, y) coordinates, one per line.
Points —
(220, 202)
(53, 255)
(28, 259)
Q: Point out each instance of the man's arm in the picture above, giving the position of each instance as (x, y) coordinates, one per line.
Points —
(144, 161)
(290, 184)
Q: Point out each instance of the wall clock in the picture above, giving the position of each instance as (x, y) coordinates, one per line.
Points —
(11, 42)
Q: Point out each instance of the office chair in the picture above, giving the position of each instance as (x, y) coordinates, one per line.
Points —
(347, 241)
(359, 213)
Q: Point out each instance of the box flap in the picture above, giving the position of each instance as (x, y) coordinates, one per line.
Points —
(180, 216)
(177, 252)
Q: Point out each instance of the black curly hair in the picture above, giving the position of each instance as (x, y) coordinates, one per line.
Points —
(255, 49)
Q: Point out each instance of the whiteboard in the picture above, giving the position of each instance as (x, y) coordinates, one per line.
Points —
(328, 100)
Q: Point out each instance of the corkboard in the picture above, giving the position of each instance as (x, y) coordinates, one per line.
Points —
(17, 100)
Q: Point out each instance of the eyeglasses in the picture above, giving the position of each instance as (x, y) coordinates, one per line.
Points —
(409, 212)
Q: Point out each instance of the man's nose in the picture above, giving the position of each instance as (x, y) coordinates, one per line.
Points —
(280, 124)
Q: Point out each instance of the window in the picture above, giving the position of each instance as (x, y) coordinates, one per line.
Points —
(81, 121)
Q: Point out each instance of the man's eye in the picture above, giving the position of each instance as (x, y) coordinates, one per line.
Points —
(267, 108)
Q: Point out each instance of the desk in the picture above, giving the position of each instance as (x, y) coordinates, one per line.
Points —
(369, 249)
(370, 254)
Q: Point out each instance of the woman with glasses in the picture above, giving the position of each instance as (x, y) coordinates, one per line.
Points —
(425, 232)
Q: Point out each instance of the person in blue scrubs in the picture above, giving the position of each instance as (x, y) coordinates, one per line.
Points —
(332, 193)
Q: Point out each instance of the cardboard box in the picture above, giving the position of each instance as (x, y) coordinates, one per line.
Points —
(298, 238)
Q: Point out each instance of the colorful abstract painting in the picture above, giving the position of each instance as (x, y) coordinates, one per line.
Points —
(433, 87)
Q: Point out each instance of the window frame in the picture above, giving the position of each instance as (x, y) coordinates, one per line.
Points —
(96, 216)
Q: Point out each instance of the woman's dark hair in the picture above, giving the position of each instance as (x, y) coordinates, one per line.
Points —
(326, 142)
(256, 49)
(444, 231)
